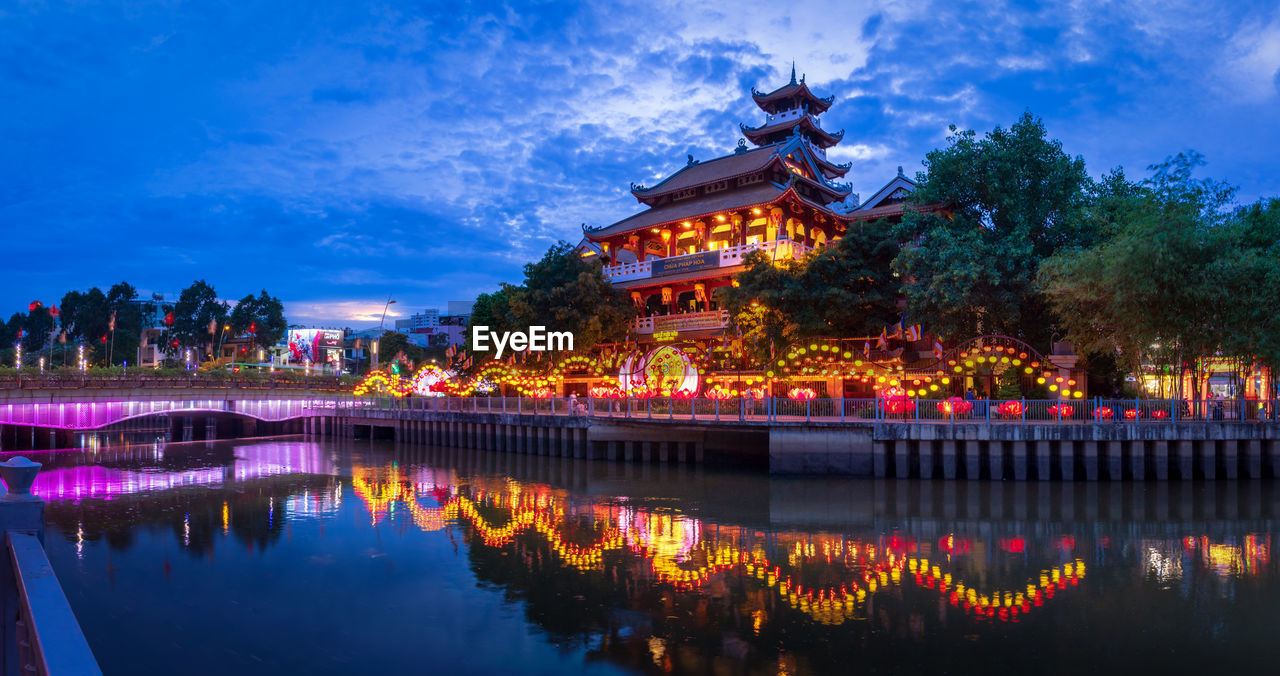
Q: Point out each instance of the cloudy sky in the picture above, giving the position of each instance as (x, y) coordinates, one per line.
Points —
(337, 152)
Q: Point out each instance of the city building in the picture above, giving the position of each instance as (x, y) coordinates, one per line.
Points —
(429, 328)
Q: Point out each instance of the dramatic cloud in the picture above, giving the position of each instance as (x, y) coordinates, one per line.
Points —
(334, 153)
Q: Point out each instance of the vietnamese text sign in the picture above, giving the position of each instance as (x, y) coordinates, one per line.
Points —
(678, 264)
(688, 322)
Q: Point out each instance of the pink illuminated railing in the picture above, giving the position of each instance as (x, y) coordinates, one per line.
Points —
(93, 415)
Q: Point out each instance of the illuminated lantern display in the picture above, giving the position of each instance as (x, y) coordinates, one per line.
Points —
(1159, 414)
(1104, 413)
(1011, 409)
(662, 370)
(802, 394)
(1132, 414)
(1061, 410)
(955, 406)
(429, 380)
(896, 402)
(381, 384)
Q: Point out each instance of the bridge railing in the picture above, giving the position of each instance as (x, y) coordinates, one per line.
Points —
(71, 381)
(894, 409)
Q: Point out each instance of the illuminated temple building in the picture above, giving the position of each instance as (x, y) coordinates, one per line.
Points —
(782, 197)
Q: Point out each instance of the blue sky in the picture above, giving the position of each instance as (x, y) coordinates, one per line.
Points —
(335, 153)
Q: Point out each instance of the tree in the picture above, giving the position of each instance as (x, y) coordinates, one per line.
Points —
(38, 326)
(562, 292)
(123, 305)
(85, 315)
(846, 289)
(260, 317)
(1015, 198)
(1167, 285)
(196, 310)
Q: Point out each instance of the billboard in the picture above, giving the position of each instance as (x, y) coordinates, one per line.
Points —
(313, 345)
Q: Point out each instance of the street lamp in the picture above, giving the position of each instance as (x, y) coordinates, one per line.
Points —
(374, 361)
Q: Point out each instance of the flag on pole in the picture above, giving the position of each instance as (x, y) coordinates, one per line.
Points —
(913, 332)
(213, 326)
(882, 341)
(897, 330)
(937, 348)
(111, 325)
(62, 337)
(866, 349)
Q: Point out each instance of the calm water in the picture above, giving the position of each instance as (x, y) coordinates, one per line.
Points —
(291, 556)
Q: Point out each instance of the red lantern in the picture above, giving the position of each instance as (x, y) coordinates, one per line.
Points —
(103, 339)
(168, 319)
(173, 343)
(33, 305)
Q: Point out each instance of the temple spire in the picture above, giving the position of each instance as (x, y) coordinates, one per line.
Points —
(793, 72)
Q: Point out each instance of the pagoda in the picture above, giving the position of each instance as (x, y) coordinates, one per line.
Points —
(780, 196)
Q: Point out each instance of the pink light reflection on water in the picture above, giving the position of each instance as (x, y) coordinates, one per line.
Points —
(263, 460)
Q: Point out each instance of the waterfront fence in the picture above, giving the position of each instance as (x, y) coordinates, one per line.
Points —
(893, 409)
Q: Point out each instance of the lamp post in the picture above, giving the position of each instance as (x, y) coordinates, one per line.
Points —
(374, 361)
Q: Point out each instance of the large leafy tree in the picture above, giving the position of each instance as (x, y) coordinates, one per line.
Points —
(195, 311)
(261, 317)
(130, 315)
(562, 292)
(846, 289)
(1015, 198)
(1171, 281)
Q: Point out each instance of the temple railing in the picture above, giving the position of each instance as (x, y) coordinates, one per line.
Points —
(729, 257)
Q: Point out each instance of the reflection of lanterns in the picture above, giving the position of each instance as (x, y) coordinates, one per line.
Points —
(666, 295)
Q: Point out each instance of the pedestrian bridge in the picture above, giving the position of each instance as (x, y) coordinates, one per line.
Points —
(93, 415)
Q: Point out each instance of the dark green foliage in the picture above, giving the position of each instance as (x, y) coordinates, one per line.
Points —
(261, 318)
(1016, 198)
(562, 292)
(846, 289)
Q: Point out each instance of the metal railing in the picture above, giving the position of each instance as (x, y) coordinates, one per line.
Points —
(899, 410)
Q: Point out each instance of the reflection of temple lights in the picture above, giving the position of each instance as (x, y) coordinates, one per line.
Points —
(679, 551)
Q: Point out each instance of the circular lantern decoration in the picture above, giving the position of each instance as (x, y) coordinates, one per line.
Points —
(1104, 413)
(663, 370)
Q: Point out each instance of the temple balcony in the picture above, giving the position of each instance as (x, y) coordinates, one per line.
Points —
(690, 321)
(711, 259)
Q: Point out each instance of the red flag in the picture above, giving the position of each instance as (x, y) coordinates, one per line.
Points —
(54, 311)
(174, 342)
(253, 327)
(168, 319)
(104, 338)
(34, 305)
(21, 333)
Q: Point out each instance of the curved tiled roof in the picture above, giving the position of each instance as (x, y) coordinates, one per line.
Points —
(691, 209)
(767, 102)
(823, 137)
(700, 173)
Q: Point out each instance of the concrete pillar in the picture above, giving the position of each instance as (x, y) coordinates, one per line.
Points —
(1209, 459)
(995, 460)
(646, 452)
(1089, 450)
(1158, 451)
(682, 454)
(880, 458)
(629, 451)
(1021, 453)
(1067, 460)
(1253, 459)
(1044, 458)
(926, 458)
(1115, 460)
(949, 459)
(972, 459)
(1139, 453)
(902, 458)
(664, 452)
(1186, 458)
(1230, 458)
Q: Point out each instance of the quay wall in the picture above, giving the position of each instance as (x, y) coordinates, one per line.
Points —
(1021, 452)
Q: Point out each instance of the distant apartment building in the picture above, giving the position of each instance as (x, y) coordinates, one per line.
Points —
(429, 328)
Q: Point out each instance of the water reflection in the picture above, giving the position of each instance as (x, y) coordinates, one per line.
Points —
(672, 570)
